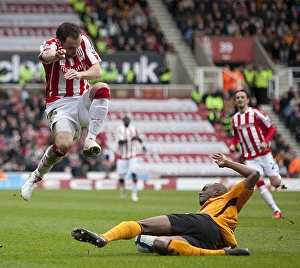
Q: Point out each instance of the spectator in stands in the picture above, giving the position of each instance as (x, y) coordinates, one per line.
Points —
(291, 109)
(254, 130)
(283, 171)
(226, 123)
(42, 77)
(233, 27)
(2, 174)
(284, 50)
(110, 73)
(238, 78)
(294, 50)
(165, 73)
(2, 73)
(131, 76)
(252, 26)
(275, 51)
(128, 139)
(196, 95)
(295, 62)
(214, 104)
(75, 107)
(261, 84)
(249, 75)
(295, 125)
(26, 76)
(284, 108)
(101, 45)
(227, 78)
(294, 167)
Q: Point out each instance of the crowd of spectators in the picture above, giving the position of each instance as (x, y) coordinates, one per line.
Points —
(288, 109)
(127, 25)
(276, 23)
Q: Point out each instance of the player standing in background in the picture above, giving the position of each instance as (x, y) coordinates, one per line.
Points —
(253, 130)
(129, 139)
(70, 61)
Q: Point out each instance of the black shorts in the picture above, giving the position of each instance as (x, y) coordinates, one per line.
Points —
(198, 229)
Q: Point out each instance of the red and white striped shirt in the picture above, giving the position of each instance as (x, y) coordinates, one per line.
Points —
(251, 129)
(57, 86)
(131, 148)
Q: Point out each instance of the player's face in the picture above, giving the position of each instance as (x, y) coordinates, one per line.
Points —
(71, 45)
(207, 192)
(241, 100)
(126, 121)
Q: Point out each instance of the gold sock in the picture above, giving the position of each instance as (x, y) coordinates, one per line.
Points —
(183, 248)
(125, 230)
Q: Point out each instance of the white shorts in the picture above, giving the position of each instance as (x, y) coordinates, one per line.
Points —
(75, 110)
(265, 164)
(127, 167)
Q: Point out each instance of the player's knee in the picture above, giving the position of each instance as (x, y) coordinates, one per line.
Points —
(63, 146)
(160, 245)
(101, 91)
(276, 184)
(275, 181)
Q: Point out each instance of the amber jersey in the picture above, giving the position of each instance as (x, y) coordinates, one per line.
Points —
(224, 211)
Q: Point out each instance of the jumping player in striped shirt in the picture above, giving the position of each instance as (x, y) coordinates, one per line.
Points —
(70, 61)
(253, 129)
(129, 139)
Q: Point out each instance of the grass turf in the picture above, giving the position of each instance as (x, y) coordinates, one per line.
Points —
(36, 233)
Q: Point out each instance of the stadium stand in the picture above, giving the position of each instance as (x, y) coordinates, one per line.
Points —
(122, 26)
(276, 23)
(178, 136)
(33, 20)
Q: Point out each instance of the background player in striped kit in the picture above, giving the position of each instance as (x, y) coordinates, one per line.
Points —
(129, 139)
(253, 129)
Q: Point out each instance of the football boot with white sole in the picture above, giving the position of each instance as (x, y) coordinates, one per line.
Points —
(30, 185)
(91, 148)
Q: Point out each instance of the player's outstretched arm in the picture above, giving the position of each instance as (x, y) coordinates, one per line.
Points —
(50, 55)
(251, 175)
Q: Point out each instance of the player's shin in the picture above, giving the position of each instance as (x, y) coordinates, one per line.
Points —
(124, 230)
(51, 157)
(98, 113)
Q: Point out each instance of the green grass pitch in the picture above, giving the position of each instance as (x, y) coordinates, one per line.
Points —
(36, 233)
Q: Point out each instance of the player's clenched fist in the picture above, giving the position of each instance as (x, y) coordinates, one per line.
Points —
(61, 53)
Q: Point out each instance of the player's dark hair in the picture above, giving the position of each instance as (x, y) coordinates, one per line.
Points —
(68, 29)
(243, 90)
